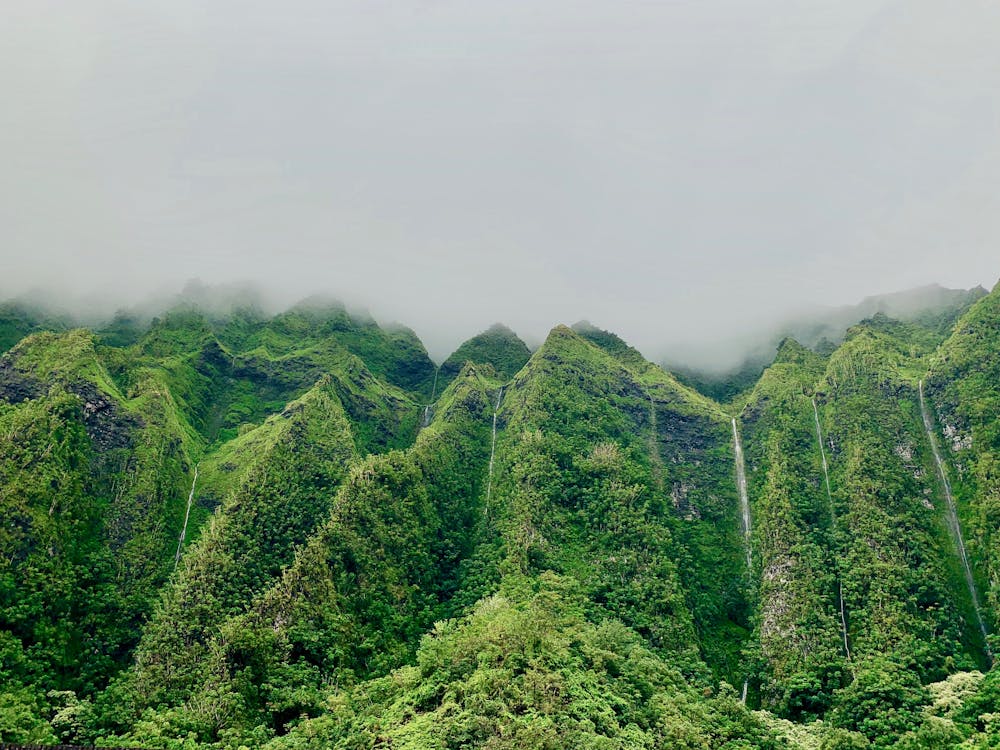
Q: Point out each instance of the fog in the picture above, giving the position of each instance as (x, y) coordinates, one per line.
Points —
(679, 172)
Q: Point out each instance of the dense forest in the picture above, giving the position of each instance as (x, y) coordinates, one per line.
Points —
(244, 530)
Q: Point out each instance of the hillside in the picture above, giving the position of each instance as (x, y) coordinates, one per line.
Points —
(232, 529)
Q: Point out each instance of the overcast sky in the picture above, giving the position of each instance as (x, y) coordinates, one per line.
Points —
(670, 170)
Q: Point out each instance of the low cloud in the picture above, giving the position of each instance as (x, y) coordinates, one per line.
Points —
(679, 173)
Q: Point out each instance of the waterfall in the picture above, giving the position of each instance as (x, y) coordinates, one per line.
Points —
(741, 485)
(826, 470)
(833, 522)
(493, 448)
(429, 408)
(951, 515)
(187, 514)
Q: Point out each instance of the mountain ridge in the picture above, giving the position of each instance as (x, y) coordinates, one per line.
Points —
(287, 532)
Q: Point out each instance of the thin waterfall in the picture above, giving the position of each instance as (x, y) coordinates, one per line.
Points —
(434, 388)
(429, 408)
(833, 522)
(741, 485)
(826, 470)
(187, 515)
(951, 515)
(493, 448)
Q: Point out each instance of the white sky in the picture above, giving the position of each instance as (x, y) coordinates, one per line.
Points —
(670, 170)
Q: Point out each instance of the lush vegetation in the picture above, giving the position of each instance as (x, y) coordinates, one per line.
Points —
(242, 530)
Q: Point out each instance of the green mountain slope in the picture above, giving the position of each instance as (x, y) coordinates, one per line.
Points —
(93, 479)
(290, 466)
(803, 639)
(234, 530)
(963, 394)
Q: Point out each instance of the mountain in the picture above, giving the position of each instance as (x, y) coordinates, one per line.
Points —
(932, 307)
(226, 528)
(498, 346)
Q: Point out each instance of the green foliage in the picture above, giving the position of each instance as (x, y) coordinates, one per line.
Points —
(527, 670)
(882, 702)
(21, 718)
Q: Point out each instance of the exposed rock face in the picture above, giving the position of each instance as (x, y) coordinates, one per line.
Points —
(777, 625)
(108, 425)
(956, 439)
(15, 386)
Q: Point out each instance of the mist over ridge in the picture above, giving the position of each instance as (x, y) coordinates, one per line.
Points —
(680, 173)
(707, 352)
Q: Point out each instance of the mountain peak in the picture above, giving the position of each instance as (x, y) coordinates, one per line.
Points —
(497, 346)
